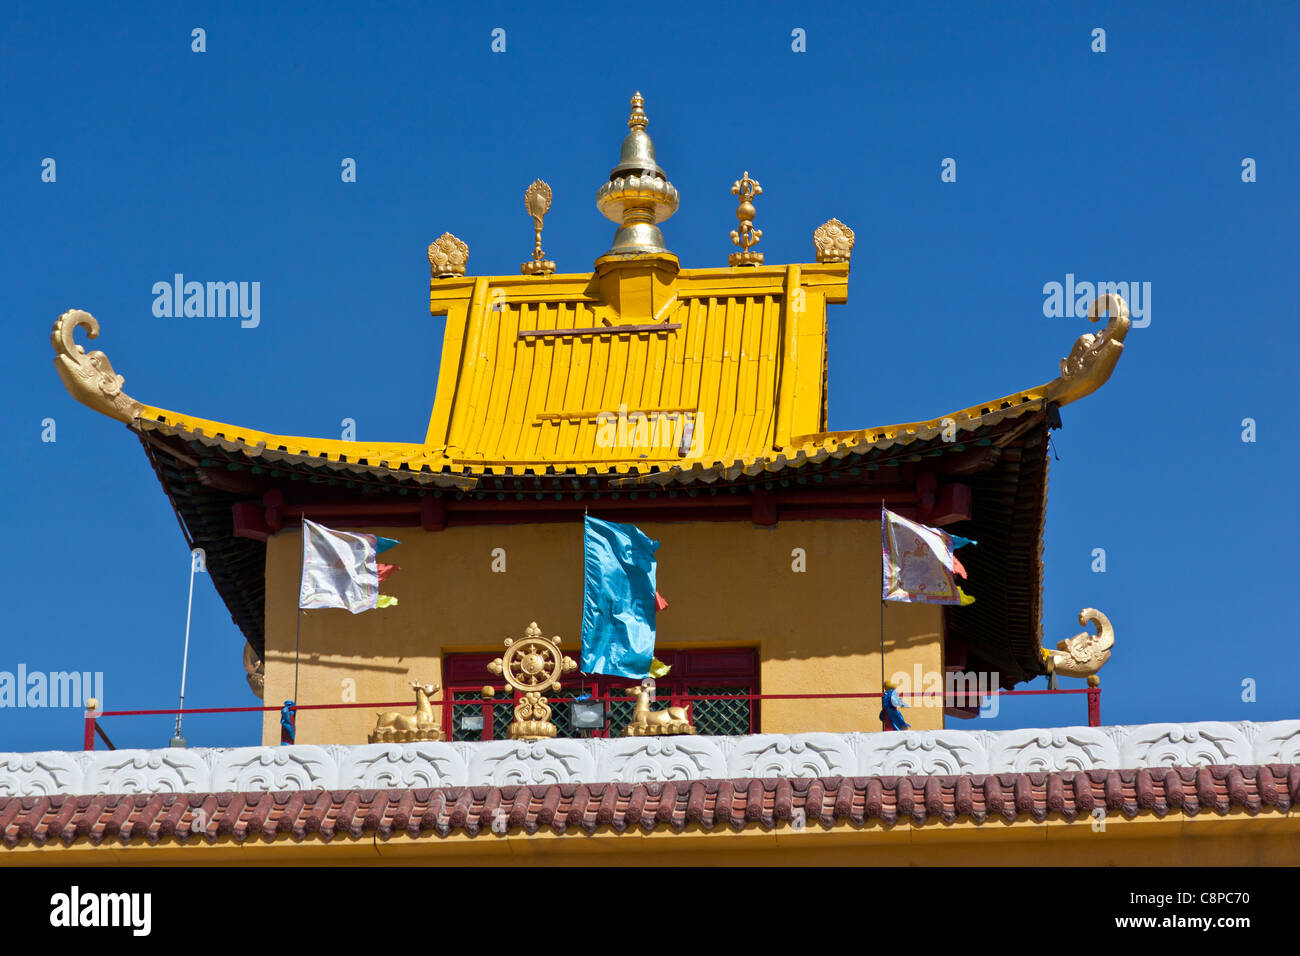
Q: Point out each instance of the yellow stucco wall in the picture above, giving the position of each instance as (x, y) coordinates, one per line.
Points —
(727, 584)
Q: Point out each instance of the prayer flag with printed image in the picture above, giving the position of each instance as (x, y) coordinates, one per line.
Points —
(919, 564)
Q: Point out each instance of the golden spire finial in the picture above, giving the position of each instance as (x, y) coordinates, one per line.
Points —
(746, 189)
(638, 119)
(638, 195)
(537, 200)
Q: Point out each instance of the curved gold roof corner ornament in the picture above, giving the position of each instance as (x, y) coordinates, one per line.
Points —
(537, 201)
(638, 195)
(833, 241)
(1093, 357)
(90, 379)
(448, 256)
(1084, 654)
(255, 671)
(746, 190)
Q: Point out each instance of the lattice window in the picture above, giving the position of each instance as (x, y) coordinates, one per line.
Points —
(562, 712)
(459, 711)
(620, 715)
(720, 717)
(715, 671)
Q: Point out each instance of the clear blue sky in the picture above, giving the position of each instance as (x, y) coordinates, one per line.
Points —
(225, 165)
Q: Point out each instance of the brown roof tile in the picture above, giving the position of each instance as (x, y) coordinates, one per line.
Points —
(674, 805)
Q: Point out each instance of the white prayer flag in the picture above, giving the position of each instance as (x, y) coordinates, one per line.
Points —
(919, 563)
(339, 568)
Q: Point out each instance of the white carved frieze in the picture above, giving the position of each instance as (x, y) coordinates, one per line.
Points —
(640, 759)
(680, 757)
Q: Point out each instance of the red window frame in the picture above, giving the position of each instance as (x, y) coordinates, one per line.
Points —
(691, 667)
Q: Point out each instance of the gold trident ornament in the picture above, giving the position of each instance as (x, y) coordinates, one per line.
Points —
(532, 665)
(537, 200)
(745, 189)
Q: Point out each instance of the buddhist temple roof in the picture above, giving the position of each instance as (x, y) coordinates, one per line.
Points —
(538, 370)
(637, 377)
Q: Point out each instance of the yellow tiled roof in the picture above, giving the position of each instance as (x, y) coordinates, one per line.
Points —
(538, 373)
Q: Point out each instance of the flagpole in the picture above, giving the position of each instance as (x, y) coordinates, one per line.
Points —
(297, 636)
(177, 739)
(297, 653)
(883, 569)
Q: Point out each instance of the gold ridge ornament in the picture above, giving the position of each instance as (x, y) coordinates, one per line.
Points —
(1084, 654)
(746, 190)
(90, 379)
(1094, 354)
(833, 241)
(532, 665)
(537, 200)
(448, 256)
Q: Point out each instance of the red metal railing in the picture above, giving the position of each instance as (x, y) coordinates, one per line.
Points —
(93, 717)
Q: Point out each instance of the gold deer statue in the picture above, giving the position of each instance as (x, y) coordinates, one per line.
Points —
(654, 723)
(395, 727)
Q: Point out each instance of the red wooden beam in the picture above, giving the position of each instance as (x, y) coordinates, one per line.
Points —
(683, 500)
(250, 521)
(952, 504)
(433, 513)
(926, 483)
(762, 507)
(275, 505)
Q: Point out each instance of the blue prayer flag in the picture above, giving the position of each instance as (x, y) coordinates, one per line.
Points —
(618, 601)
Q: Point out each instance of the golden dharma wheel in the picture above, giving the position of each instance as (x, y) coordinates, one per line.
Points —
(533, 663)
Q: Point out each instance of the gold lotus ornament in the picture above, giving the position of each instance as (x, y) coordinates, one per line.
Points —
(448, 256)
(833, 241)
(532, 665)
(537, 201)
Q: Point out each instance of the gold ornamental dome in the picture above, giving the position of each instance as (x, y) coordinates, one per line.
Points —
(638, 194)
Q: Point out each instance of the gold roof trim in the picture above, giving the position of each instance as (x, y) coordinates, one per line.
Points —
(1086, 369)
